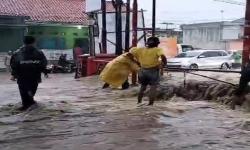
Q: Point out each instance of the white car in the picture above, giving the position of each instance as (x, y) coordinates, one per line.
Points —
(208, 59)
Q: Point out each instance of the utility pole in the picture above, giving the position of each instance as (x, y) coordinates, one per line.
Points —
(232, 2)
(153, 17)
(104, 27)
(135, 22)
(134, 41)
(222, 15)
(118, 14)
(127, 32)
(246, 42)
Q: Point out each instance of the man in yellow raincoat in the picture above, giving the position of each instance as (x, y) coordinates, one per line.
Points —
(116, 72)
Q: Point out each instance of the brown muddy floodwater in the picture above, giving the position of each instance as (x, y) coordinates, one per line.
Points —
(79, 115)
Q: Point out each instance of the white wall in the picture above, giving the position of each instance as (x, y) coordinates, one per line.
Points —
(205, 38)
(232, 32)
(211, 35)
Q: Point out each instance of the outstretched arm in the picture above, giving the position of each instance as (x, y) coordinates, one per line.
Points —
(131, 57)
(164, 60)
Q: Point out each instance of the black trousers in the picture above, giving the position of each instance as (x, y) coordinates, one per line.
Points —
(27, 91)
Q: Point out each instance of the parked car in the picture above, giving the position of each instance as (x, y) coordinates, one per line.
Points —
(184, 48)
(206, 59)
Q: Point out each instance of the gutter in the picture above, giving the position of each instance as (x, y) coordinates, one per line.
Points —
(13, 25)
(54, 25)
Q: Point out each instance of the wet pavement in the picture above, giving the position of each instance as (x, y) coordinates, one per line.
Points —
(79, 115)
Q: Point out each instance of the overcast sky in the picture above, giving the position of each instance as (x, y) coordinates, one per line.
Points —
(191, 11)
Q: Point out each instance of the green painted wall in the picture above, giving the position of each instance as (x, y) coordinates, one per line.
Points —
(11, 38)
(66, 35)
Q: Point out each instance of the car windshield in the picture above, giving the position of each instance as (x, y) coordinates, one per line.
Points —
(188, 54)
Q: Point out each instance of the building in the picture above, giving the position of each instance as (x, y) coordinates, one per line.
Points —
(215, 35)
(57, 24)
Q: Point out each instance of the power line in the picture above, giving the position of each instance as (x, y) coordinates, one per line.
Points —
(232, 2)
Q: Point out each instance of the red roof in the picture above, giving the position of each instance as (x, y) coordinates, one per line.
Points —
(51, 11)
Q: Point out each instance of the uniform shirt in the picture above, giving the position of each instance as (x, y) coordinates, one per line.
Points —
(147, 57)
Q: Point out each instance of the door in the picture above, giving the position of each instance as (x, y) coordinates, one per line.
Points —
(203, 60)
(82, 43)
(216, 59)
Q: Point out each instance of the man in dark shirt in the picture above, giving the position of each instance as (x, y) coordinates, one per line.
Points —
(27, 65)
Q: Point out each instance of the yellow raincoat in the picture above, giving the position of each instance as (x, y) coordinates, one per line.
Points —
(117, 71)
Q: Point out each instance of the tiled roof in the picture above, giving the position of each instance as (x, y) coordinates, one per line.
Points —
(49, 11)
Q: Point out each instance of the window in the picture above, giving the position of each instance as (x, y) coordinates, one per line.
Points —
(211, 54)
(223, 54)
(215, 54)
(188, 54)
(206, 54)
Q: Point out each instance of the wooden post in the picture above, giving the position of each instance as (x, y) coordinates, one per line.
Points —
(153, 17)
(127, 32)
(104, 27)
(119, 27)
(246, 42)
(134, 40)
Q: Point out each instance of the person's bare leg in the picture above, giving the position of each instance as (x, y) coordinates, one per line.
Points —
(106, 85)
(141, 93)
(152, 94)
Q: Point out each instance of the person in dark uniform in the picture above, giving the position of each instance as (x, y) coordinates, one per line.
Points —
(27, 64)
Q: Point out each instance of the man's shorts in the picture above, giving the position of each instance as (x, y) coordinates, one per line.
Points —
(149, 76)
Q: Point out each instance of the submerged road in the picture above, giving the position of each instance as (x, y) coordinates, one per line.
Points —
(79, 115)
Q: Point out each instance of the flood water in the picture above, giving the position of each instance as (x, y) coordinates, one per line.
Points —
(79, 115)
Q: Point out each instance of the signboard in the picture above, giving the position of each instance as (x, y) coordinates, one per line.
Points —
(169, 46)
(93, 5)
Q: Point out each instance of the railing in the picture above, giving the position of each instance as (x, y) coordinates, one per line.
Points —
(191, 71)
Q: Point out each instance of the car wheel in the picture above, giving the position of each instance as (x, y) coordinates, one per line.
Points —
(193, 66)
(225, 66)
